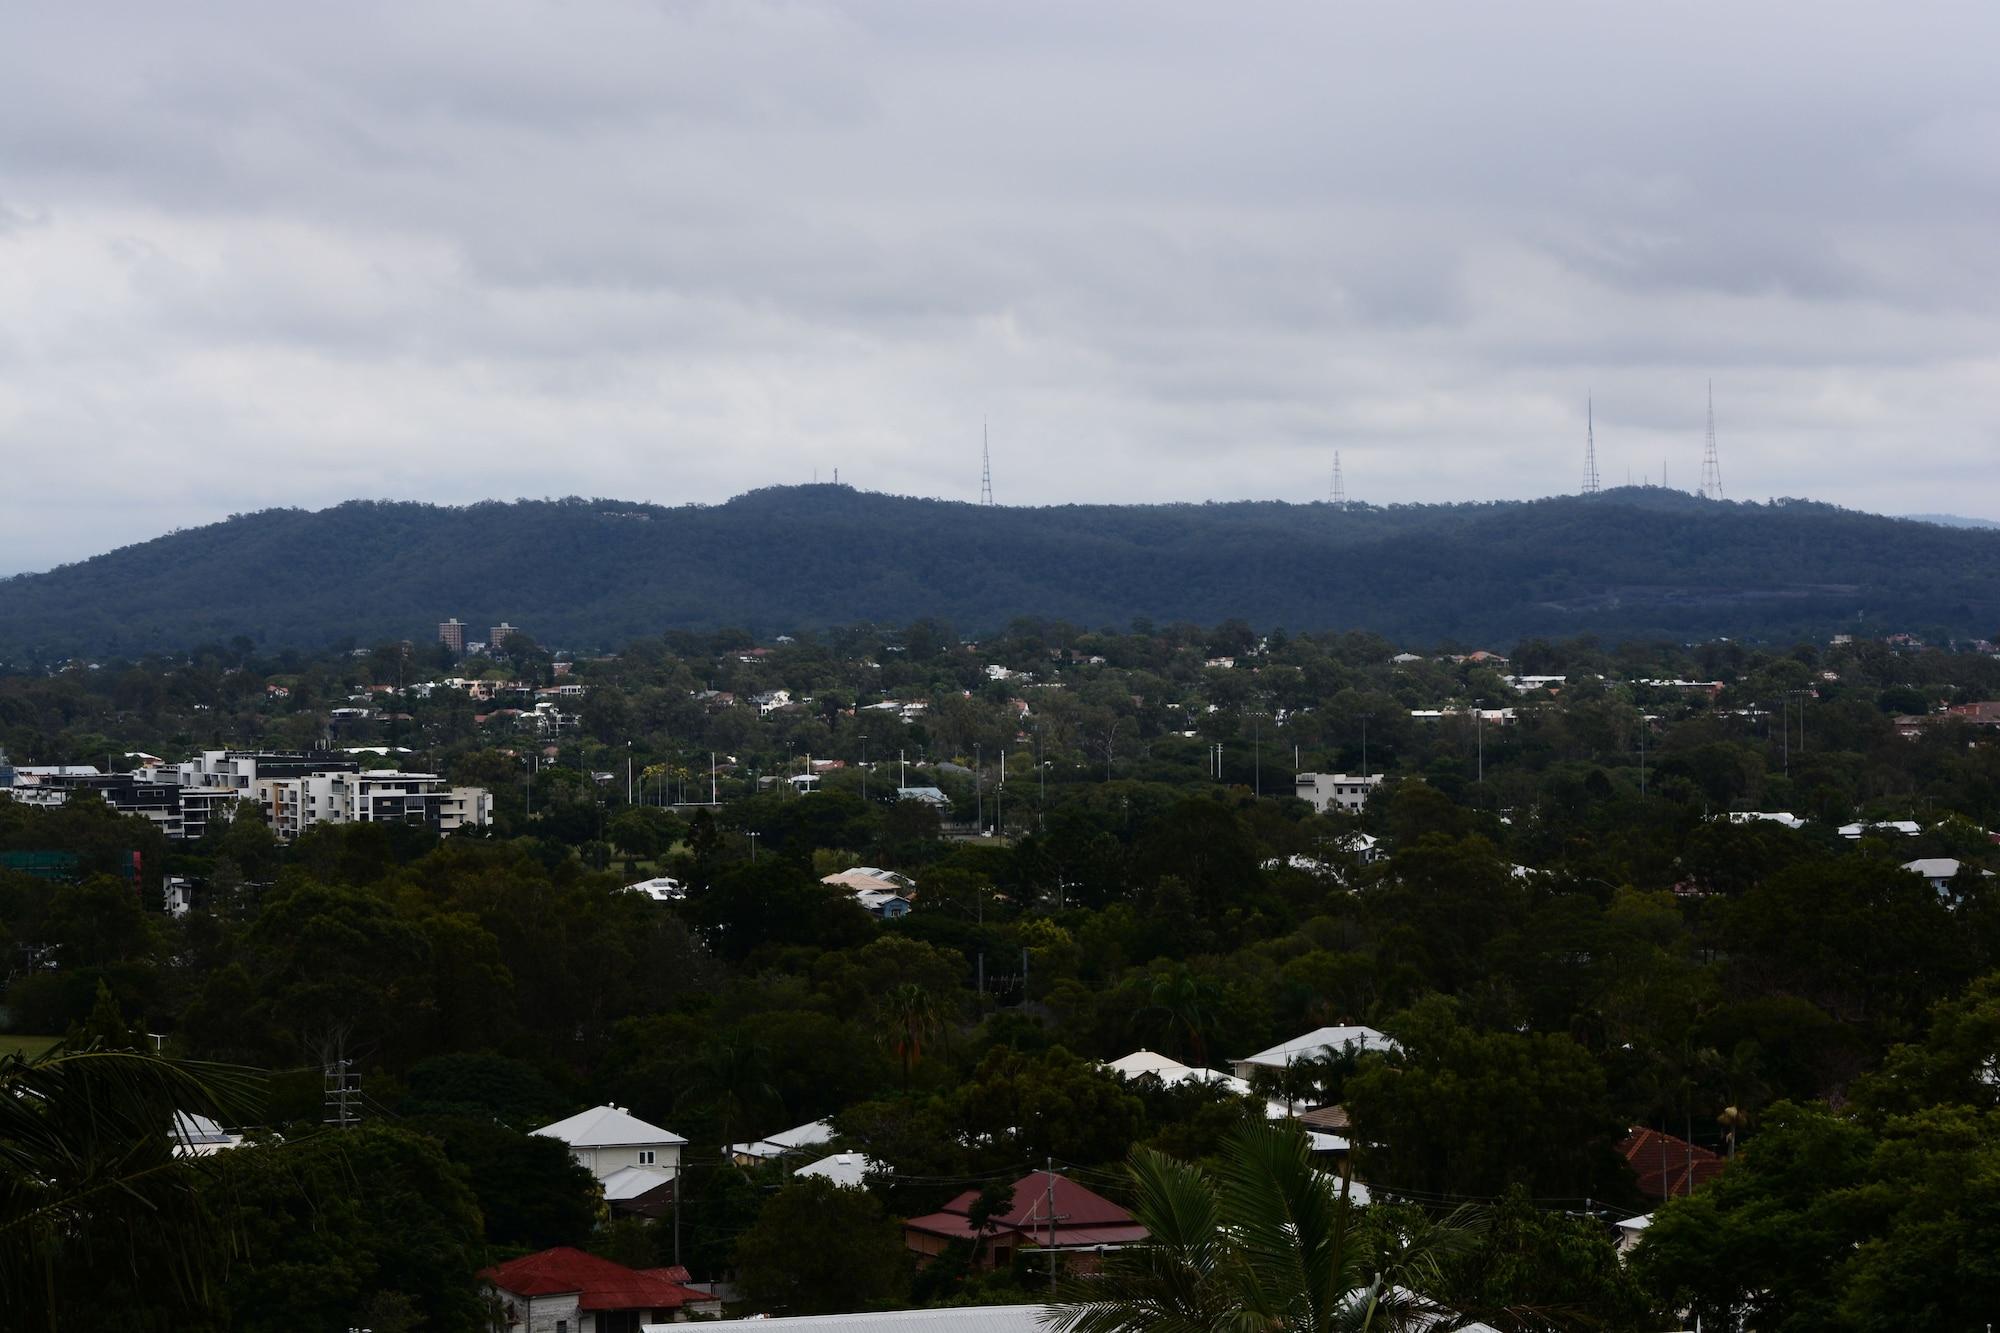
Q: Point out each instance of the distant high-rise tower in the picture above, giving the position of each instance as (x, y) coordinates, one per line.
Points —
(1590, 486)
(452, 634)
(1338, 495)
(1711, 468)
(985, 468)
(499, 634)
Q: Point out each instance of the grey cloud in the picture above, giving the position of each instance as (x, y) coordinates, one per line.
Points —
(256, 254)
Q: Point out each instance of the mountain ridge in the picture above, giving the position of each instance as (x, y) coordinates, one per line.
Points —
(1640, 561)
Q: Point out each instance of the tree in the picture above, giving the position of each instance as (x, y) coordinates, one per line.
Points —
(338, 1221)
(1265, 1242)
(819, 1248)
(1467, 1112)
(100, 1224)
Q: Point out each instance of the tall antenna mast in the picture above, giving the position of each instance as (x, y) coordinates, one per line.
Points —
(1711, 468)
(1338, 495)
(1589, 447)
(985, 467)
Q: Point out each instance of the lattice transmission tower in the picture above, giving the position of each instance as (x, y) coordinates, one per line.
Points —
(1711, 467)
(1337, 496)
(985, 467)
(1590, 484)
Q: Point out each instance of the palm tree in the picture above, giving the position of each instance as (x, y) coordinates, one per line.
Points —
(909, 1017)
(94, 1205)
(1184, 1004)
(733, 1079)
(1267, 1243)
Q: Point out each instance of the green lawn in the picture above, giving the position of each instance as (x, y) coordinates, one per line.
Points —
(14, 1043)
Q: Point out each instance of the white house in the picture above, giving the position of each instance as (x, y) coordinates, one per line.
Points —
(1336, 791)
(630, 1158)
(1942, 873)
(1631, 1231)
(1320, 1041)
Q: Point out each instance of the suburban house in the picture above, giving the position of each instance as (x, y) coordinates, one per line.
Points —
(1336, 791)
(633, 1161)
(1320, 1041)
(1151, 1064)
(817, 1134)
(881, 893)
(1667, 1167)
(931, 796)
(849, 1170)
(565, 1290)
(1048, 1211)
(1631, 1231)
(1942, 874)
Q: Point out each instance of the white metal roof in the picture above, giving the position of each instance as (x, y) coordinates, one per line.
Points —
(960, 1319)
(607, 1127)
(1321, 1039)
(850, 1169)
(629, 1182)
(809, 1135)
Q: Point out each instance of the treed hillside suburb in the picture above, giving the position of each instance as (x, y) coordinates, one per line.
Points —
(458, 984)
(595, 574)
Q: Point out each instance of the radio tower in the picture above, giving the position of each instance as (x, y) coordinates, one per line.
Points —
(1711, 469)
(1338, 495)
(985, 468)
(1589, 448)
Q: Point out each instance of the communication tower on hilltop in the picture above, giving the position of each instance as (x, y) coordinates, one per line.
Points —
(1711, 468)
(1590, 486)
(985, 467)
(1338, 495)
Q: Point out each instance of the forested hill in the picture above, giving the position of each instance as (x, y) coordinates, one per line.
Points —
(588, 573)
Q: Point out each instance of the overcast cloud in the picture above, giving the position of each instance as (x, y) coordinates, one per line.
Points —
(276, 254)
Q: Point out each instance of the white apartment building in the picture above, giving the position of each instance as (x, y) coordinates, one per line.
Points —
(1337, 791)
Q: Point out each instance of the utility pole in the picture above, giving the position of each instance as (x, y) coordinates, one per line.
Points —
(864, 769)
(1049, 1198)
(1364, 747)
(1479, 734)
(979, 786)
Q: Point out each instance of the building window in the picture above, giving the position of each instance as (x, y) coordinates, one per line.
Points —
(645, 1157)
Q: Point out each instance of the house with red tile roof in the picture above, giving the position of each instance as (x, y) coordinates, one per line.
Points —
(1048, 1211)
(565, 1290)
(1667, 1167)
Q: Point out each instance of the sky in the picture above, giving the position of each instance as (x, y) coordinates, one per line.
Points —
(256, 255)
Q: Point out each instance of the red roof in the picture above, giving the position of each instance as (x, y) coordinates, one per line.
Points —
(1082, 1217)
(1667, 1167)
(599, 1283)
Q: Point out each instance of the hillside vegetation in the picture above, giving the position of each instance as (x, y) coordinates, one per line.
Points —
(585, 573)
